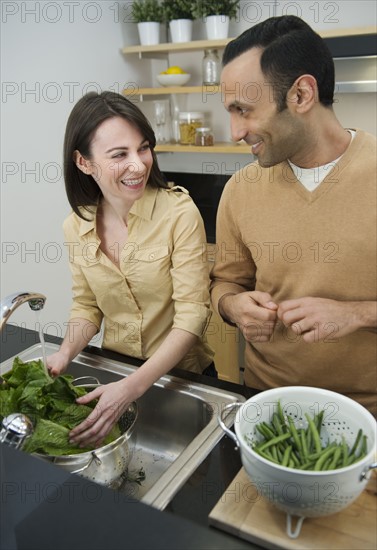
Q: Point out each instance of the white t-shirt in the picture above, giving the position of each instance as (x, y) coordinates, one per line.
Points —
(312, 177)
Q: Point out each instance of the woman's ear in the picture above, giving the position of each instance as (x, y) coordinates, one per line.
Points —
(82, 163)
(303, 93)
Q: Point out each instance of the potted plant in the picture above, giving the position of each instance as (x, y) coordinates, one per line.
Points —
(178, 13)
(216, 14)
(148, 14)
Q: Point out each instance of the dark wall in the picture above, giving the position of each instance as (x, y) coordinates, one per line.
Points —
(205, 190)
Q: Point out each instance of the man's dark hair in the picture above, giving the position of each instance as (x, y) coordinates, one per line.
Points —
(290, 49)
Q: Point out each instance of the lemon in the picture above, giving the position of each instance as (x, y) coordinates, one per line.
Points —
(175, 70)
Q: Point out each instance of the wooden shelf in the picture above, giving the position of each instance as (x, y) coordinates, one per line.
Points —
(171, 90)
(176, 47)
(218, 147)
(196, 45)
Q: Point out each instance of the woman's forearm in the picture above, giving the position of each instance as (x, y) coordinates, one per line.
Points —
(78, 335)
(172, 350)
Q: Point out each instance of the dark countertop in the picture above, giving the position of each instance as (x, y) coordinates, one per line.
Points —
(43, 506)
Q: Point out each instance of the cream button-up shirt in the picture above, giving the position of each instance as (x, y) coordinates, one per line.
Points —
(162, 283)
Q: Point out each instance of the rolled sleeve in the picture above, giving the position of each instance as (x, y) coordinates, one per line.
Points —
(190, 271)
(84, 304)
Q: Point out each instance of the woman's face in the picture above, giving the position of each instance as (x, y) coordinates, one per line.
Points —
(121, 160)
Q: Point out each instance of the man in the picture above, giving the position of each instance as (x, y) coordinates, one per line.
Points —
(296, 231)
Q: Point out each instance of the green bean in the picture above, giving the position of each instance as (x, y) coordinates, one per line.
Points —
(303, 444)
(309, 439)
(273, 441)
(287, 456)
(274, 453)
(307, 465)
(265, 431)
(322, 459)
(364, 448)
(357, 441)
(315, 433)
(277, 425)
(281, 414)
(318, 421)
(280, 450)
(335, 458)
(294, 434)
(265, 455)
(295, 459)
(281, 442)
(344, 453)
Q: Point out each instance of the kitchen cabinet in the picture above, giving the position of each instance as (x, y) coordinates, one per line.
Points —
(342, 42)
(225, 341)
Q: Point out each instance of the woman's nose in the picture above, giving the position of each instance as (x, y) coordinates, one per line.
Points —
(135, 163)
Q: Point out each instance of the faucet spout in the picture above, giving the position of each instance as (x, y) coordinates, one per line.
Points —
(10, 303)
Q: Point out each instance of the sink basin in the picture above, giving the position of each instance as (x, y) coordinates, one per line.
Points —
(176, 427)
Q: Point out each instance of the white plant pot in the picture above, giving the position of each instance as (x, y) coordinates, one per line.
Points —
(217, 26)
(149, 33)
(180, 30)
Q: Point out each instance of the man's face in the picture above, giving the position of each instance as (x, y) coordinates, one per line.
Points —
(274, 136)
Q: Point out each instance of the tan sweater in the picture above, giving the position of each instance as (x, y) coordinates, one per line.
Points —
(275, 236)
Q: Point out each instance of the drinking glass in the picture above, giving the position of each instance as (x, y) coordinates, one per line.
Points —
(160, 113)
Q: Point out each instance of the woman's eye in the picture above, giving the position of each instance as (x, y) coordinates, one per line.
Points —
(145, 147)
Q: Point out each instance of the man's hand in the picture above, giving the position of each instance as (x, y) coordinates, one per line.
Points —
(320, 319)
(253, 312)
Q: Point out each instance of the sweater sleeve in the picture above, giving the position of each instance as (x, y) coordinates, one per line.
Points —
(234, 269)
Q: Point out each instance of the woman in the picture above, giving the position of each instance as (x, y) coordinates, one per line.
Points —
(136, 256)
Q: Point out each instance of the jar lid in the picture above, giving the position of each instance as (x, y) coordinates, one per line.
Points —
(190, 114)
(203, 129)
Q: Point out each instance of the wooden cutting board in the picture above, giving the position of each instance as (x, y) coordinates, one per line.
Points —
(242, 512)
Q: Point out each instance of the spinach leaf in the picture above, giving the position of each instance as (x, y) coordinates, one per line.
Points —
(49, 403)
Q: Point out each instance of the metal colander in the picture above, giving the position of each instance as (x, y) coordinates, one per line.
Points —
(305, 493)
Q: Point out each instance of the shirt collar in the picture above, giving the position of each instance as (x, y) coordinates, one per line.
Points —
(143, 208)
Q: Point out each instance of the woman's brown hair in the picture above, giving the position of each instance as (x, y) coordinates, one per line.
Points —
(88, 113)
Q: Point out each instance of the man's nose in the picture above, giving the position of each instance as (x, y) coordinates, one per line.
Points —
(238, 129)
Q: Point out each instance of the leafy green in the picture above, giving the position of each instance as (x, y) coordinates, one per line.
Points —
(51, 405)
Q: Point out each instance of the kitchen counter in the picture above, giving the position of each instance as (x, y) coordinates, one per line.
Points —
(43, 506)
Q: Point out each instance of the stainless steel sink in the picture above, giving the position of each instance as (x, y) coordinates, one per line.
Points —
(176, 427)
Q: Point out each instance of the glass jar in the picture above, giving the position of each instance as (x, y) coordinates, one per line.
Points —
(203, 137)
(188, 123)
(211, 68)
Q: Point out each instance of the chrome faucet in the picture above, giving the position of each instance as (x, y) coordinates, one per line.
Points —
(10, 303)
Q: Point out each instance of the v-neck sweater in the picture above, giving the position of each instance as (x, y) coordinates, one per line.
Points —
(275, 236)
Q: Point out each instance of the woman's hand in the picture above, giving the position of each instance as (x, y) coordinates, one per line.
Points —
(115, 397)
(113, 401)
(57, 363)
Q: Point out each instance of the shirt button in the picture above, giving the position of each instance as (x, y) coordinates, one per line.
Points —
(151, 256)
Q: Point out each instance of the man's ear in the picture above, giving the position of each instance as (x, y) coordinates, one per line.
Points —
(303, 93)
(82, 163)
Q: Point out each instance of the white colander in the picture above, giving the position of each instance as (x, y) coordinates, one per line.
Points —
(305, 493)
